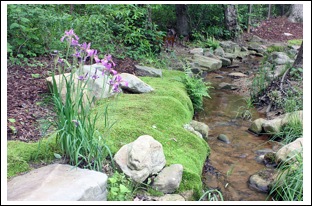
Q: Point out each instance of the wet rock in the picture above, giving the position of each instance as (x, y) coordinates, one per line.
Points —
(263, 151)
(288, 151)
(168, 180)
(230, 47)
(256, 125)
(225, 62)
(223, 138)
(196, 51)
(257, 46)
(272, 126)
(237, 74)
(207, 63)
(269, 159)
(192, 130)
(201, 127)
(224, 85)
(148, 71)
(262, 179)
(141, 158)
(219, 52)
(58, 182)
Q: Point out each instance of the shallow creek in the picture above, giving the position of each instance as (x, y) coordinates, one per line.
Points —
(230, 165)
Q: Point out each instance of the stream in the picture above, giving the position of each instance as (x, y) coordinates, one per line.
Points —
(231, 164)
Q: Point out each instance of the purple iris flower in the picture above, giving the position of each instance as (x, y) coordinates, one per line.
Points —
(95, 76)
(82, 78)
(69, 34)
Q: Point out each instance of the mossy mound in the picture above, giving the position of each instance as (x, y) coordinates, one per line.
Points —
(160, 114)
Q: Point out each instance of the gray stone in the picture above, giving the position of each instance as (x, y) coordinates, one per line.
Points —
(219, 52)
(58, 182)
(207, 63)
(279, 58)
(225, 85)
(256, 46)
(196, 51)
(288, 151)
(141, 158)
(237, 74)
(225, 61)
(230, 47)
(170, 197)
(201, 127)
(135, 84)
(223, 138)
(262, 179)
(168, 180)
(192, 130)
(148, 71)
(272, 126)
(256, 125)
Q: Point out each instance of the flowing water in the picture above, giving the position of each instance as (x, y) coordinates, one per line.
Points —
(230, 165)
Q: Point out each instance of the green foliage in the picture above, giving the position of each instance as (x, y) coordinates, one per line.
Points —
(289, 182)
(293, 101)
(196, 88)
(211, 42)
(275, 48)
(296, 42)
(259, 83)
(120, 188)
(291, 131)
(296, 73)
(212, 195)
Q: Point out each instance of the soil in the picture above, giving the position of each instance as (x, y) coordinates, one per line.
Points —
(27, 89)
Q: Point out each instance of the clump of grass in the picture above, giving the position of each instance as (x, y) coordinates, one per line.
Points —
(212, 195)
(288, 185)
(275, 48)
(295, 42)
(291, 131)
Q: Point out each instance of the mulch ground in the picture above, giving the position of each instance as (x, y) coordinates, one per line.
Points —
(26, 94)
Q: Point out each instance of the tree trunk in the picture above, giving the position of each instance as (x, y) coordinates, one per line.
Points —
(231, 22)
(298, 63)
(296, 13)
(71, 8)
(182, 20)
(282, 9)
(249, 18)
(269, 11)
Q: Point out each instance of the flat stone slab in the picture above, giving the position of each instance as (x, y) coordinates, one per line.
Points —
(58, 182)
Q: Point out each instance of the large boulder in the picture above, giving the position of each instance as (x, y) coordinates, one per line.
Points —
(58, 182)
(207, 63)
(289, 150)
(135, 84)
(148, 71)
(256, 125)
(256, 46)
(230, 47)
(279, 58)
(141, 158)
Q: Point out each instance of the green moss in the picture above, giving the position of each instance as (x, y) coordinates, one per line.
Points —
(160, 114)
(295, 42)
(20, 154)
(275, 48)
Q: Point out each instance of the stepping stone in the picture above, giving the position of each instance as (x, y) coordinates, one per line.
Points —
(58, 182)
